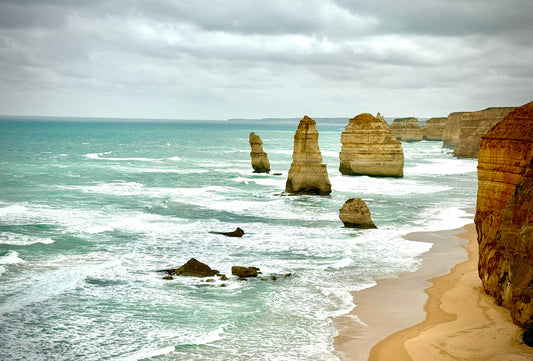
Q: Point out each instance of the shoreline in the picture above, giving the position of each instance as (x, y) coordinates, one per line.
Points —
(458, 321)
(394, 304)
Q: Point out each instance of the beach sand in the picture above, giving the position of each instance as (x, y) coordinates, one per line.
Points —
(456, 322)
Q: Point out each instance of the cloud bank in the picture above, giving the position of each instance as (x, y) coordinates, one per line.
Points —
(246, 58)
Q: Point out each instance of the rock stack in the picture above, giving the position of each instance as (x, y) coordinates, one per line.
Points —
(307, 175)
(504, 213)
(406, 129)
(260, 162)
(368, 147)
(434, 129)
(463, 130)
(355, 214)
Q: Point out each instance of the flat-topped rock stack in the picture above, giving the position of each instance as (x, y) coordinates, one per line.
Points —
(369, 148)
(434, 129)
(504, 213)
(406, 129)
(307, 175)
(463, 130)
(260, 162)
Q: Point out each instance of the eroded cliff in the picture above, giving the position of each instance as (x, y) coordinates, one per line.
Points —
(434, 129)
(504, 213)
(406, 129)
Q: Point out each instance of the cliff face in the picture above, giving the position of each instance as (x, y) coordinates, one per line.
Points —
(307, 174)
(463, 131)
(260, 162)
(434, 129)
(504, 214)
(368, 147)
(406, 129)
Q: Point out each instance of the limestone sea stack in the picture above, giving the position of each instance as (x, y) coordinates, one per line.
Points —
(355, 214)
(406, 129)
(369, 148)
(463, 130)
(434, 129)
(307, 175)
(260, 162)
(504, 213)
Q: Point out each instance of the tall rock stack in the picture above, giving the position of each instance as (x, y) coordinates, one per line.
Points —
(308, 175)
(434, 129)
(464, 130)
(504, 214)
(406, 129)
(260, 162)
(369, 148)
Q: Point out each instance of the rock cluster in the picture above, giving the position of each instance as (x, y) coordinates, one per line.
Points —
(463, 130)
(406, 129)
(260, 162)
(504, 213)
(434, 129)
(368, 147)
(355, 214)
(192, 268)
(307, 175)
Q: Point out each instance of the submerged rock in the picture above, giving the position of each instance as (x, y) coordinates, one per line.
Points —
(236, 233)
(369, 148)
(307, 175)
(244, 272)
(260, 162)
(355, 214)
(192, 268)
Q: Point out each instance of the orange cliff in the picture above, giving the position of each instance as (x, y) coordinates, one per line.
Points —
(504, 214)
(463, 130)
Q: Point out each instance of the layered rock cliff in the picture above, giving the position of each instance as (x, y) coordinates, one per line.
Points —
(307, 175)
(368, 147)
(260, 162)
(463, 130)
(434, 129)
(406, 129)
(504, 213)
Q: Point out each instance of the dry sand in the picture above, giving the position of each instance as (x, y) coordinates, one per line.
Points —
(459, 323)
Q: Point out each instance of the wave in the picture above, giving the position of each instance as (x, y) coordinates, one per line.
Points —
(10, 257)
(101, 156)
(17, 239)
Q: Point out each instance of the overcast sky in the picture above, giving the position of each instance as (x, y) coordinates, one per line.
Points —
(218, 59)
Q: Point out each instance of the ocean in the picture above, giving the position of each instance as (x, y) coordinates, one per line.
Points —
(90, 211)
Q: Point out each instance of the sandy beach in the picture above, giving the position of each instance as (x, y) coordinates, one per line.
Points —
(432, 314)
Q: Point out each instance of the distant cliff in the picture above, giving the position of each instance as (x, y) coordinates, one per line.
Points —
(406, 129)
(463, 130)
(504, 214)
(434, 129)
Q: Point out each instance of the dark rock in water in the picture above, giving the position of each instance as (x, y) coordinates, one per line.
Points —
(210, 280)
(355, 214)
(278, 174)
(168, 278)
(243, 272)
(192, 268)
(288, 275)
(273, 278)
(223, 285)
(223, 277)
(236, 233)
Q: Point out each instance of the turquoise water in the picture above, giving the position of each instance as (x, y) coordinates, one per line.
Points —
(90, 211)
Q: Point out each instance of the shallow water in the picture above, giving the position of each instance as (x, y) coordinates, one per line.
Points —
(89, 212)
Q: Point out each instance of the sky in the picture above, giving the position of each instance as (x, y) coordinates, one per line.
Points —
(219, 59)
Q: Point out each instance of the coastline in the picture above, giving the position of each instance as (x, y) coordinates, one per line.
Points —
(458, 321)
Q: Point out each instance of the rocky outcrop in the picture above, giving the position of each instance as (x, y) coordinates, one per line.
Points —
(192, 268)
(406, 129)
(369, 148)
(244, 272)
(260, 162)
(355, 214)
(236, 233)
(434, 129)
(463, 130)
(307, 175)
(504, 213)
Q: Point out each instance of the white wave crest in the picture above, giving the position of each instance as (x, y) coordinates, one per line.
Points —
(22, 240)
(10, 257)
